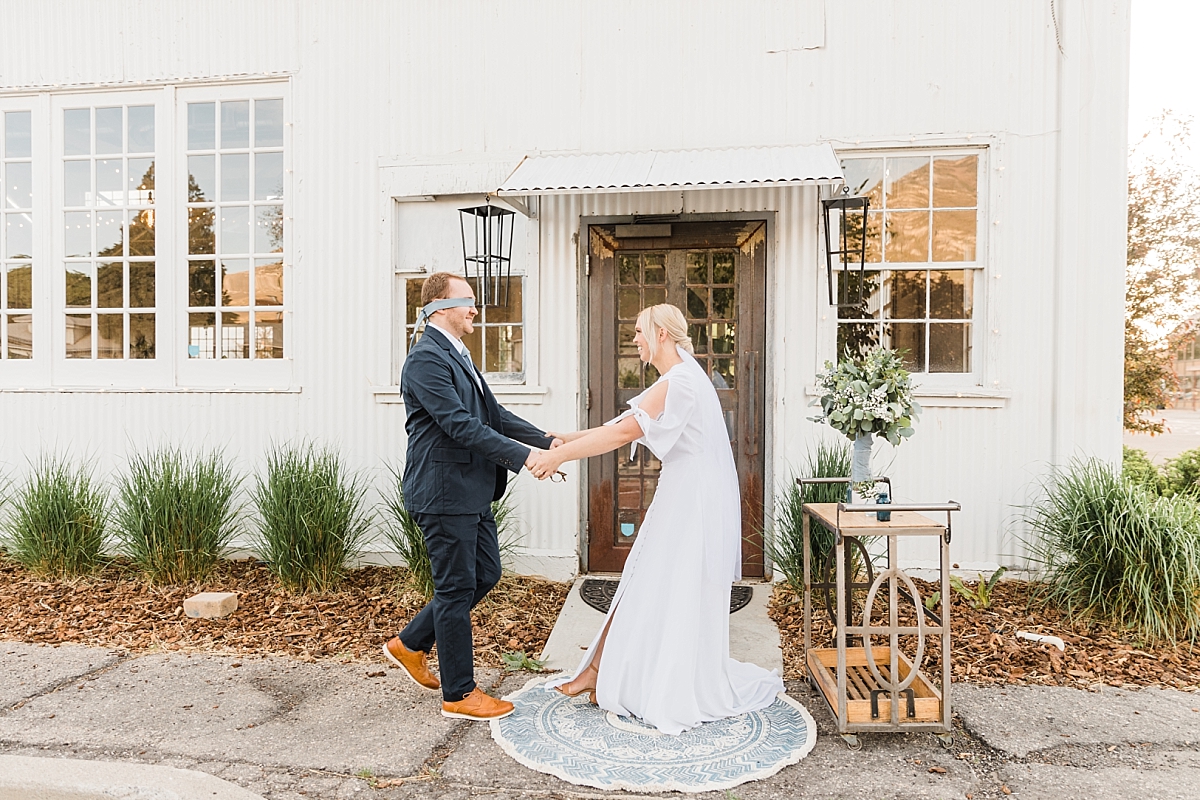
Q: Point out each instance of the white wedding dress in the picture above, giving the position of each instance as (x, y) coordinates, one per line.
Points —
(666, 659)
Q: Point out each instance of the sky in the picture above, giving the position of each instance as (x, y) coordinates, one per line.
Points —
(1164, 35)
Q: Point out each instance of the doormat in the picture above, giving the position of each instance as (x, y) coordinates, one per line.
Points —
(572, 739)
(599, 593)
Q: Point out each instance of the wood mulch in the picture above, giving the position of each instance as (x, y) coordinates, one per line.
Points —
(117, 608)
(986, 650)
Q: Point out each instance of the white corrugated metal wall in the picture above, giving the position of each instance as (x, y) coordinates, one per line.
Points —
(380, 83)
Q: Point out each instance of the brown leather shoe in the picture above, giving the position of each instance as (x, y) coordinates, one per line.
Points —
(477, 705)
(412, 662)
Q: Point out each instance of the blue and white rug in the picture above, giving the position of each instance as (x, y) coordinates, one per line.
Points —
(576, 741)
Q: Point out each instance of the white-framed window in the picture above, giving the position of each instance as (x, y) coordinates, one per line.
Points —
(924, 253)
(235, 207)
(497, 344)
(16, 235)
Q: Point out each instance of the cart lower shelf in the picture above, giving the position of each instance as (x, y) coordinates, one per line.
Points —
(868, 703)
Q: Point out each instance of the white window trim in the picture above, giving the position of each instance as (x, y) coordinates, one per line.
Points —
(509, 389)
(935, 387)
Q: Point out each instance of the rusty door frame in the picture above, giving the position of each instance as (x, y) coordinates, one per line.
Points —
(582, 254)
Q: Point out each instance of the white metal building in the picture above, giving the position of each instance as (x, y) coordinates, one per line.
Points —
(215, 215)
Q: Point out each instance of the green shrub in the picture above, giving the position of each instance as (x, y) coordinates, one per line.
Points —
(57, 524)
(784, 538)
(311, 517)
(1182, 474)
(407, 540)
(1136, 466)
(176, 514)
(1113, 551)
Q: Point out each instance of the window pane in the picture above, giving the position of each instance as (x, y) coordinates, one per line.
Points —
(268, 176)
(20, 336)
(268, 334)
(108, 130)
(512, 311)
(79, 335)
(853, 236)
(629, 302)
(268, 282)
(504, 345)
(141, 336)
(141, 181)
(201, 240)
(20, 286)
(18, 185)
(949, 347)
(77, 182)
(17, 134)
(110, 233)
(908, 182)
(235, 229)
(202, 336)
(268, 123)
(724, 337)
(110, 285)
(907, 291)
(412, 292)
(954, 235)
(955, 182)
(629, 373)
(848, 292)
(77, 234)
(110, 181)
(235, 282)
(698, 333)
(268, 229)
(629, 269)
(629, 493)
(235, 177)
(723, 303)
(722, 268)
(654, 297)
(856, 338)
(110, 336)
(141, 131)
(202, 179)
(202, 283)
(697, 268)
(697, 303)
(201, 126)
(79, 285)
(723, 373)
(908, 236)
(141, 287)
(909, 338)
(77, 131)
(18, 232)
(235, 124)
(864, 177)
(950, 294)
(235, 335)
(655, 269)
(141, 233)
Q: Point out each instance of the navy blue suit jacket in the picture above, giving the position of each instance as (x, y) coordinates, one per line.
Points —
(460, 439)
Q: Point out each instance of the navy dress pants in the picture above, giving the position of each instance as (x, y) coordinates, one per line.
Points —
(464, 553)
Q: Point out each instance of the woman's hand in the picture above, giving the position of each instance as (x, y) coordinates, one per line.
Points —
(543, 463)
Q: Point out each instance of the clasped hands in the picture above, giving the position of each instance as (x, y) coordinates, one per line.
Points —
(545, 464)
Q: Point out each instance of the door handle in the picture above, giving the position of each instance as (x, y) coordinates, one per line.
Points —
(749, 397)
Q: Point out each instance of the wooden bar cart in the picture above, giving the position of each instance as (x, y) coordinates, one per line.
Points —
(871, 686)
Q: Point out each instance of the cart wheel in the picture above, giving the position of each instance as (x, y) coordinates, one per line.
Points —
(947, 740)
(852, 741)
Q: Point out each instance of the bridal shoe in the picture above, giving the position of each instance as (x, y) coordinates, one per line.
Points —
(592, 689)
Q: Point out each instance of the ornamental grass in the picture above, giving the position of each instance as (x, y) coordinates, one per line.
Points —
(312, 520)
(56, 526)
(1113, 551)
(177, 513)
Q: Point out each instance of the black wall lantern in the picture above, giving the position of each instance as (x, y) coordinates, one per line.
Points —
(845, 244)
(487, 253)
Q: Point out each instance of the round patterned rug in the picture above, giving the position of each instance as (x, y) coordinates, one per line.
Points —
(573, 740)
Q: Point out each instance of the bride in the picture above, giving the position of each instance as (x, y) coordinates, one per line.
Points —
(662, 654)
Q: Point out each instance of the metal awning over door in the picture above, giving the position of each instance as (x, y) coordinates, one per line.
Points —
(664, 170)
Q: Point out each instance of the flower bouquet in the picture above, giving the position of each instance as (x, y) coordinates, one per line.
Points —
(866, 396)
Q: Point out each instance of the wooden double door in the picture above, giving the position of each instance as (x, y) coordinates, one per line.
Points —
(715, 272)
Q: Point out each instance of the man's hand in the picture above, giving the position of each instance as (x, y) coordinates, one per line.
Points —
(542, 463)
(557, 440)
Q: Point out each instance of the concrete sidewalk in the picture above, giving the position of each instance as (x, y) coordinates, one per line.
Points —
(285, 729)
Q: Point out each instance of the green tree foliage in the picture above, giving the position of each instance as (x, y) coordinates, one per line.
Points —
(1163, 253)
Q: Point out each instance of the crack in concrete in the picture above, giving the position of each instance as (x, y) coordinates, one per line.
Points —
(83, 676)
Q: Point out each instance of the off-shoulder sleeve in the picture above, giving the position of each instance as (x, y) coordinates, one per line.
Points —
(661, 434)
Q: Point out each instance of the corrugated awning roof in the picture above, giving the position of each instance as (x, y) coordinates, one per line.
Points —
(674, 169)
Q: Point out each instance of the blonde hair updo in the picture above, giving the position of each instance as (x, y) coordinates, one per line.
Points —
(666, 317)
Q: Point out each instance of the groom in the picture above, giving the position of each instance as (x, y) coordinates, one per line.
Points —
(460, 447)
